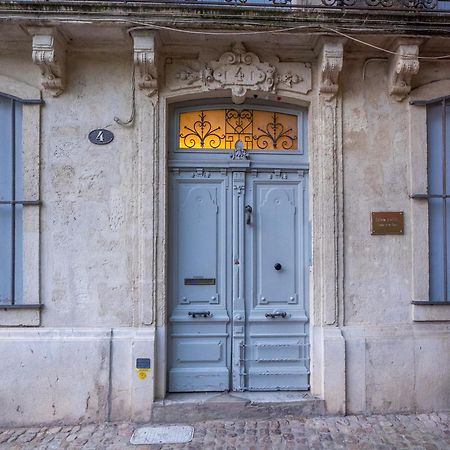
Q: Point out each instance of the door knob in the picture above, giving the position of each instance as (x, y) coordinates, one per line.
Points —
(277, 266)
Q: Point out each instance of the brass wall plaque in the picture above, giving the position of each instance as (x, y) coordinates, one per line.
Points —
(199, 281)
(387, 223)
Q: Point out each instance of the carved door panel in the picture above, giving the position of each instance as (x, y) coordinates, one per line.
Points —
(276, 244)
(199, 353)
(238, 281)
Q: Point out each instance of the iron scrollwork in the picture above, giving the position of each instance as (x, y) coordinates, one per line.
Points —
(203, 132)
(410, 4)
(275, 134)
(239, 130)
(275, 2)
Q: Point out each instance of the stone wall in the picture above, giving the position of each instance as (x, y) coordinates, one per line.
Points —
(103, 243)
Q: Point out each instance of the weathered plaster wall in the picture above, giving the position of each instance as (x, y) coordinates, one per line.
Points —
(391, 361)
(80, 364)
(377, 268)
(86, 232)
(89, 254)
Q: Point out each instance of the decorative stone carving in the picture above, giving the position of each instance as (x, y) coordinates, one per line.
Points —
(240, 71)
(239, 152)
(49, 54)
(188, 75)
(403, 66)
(332, 59)
(145, 60)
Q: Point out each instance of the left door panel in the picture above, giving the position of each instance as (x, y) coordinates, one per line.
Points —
(198, 357)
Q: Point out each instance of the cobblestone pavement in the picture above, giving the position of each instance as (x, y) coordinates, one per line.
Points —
(394, 431)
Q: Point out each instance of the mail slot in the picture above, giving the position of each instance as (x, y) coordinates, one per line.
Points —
(199, 281)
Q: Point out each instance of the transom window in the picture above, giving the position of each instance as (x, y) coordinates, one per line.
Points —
(221, 129)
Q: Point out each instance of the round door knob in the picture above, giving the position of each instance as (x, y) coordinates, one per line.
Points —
(277, 266)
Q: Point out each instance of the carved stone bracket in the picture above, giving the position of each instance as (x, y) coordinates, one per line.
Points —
(240, 71)
(49, 54)
(145, 60)
(331, 62)
(403, 66)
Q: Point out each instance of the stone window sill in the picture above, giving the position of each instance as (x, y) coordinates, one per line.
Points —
(423, 311)
(20, 315)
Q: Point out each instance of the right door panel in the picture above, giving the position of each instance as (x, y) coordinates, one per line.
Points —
(276, 344)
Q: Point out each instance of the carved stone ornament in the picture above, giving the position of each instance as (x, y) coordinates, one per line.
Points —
(240, 71)
(403, 66)
(332, 59)
(49, 54)
(239, 152)
(144, 43)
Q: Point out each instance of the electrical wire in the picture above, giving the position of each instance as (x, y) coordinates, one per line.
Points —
(143, 25)
(130, 121)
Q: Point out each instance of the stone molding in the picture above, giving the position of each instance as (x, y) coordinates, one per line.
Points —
(331, 62)
(403, 66)
(145, 60)
(327, 217)
(240, 71)
(49, 53)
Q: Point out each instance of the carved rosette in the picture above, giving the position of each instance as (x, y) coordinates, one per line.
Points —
(403, 66)
(144, 43)
(332, 60)
(240, 71)
(49, 54)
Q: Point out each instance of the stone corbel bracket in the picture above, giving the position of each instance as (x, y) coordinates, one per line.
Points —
(331, 62)
(403, 65)
(145, 60)
(49, 53)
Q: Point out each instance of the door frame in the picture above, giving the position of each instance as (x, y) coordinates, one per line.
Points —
(326, 294)
(298, 162)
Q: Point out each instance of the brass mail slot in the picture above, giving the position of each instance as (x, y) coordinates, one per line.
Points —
(387, 223)
(199, 281)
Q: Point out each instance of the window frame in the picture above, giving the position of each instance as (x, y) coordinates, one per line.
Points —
(27, 312)
(423, 310)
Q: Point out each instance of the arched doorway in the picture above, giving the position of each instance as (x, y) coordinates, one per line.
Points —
(238, 249)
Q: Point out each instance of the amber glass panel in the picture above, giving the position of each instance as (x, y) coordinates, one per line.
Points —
(221, 128)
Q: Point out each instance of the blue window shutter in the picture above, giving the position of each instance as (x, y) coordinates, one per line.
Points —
(11, 232)
(438, 123)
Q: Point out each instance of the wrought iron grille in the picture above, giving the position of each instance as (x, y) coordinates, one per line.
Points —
(410, 4)
(222, 129)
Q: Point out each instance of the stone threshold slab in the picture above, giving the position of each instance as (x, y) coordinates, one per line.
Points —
(182, 408)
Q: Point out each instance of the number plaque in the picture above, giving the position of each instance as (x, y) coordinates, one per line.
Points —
(101, 136)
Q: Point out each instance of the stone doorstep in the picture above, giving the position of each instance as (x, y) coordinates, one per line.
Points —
(197, 407)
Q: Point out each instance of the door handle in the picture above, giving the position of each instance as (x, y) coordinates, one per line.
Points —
(248, 214)
(275, 314)
(204, 314)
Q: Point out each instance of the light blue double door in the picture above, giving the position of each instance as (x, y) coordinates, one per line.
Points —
(238, 280)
